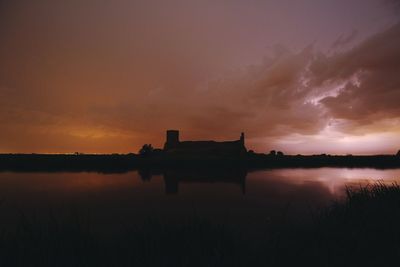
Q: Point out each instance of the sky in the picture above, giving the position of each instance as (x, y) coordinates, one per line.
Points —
(107, 76)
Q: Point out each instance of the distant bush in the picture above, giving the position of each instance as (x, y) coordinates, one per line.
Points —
(147, 149)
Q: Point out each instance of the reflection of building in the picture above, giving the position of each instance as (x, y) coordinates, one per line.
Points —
(203, 148)
(172, 178)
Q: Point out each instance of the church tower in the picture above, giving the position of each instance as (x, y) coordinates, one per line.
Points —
(172, 139)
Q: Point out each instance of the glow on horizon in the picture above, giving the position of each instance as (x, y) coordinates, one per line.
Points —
(367, 144)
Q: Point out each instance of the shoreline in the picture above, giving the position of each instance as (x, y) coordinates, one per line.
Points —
(129, 162)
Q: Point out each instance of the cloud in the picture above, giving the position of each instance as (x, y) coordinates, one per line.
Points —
(269, 96)
(109, 77)
(354, 92)
(343, 40)
(288, 94)
(372, 84)
(393, 3)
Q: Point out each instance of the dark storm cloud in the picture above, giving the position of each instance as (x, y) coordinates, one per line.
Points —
(269, 96)
(343, 40)
(105, 76)
(371, 69)
(393, 3)
(304, 92)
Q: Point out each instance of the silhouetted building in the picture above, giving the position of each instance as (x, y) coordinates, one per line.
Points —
(203, 148)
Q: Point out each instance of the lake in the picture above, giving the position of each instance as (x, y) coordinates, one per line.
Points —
(239, 199)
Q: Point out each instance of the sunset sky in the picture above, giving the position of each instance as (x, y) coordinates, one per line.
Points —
(104, 76)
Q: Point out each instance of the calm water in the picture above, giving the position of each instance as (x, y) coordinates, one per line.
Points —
(115, 200)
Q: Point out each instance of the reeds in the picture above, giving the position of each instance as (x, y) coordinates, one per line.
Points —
(362, 230)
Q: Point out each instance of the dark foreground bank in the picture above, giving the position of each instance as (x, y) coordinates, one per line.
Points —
(363, 230)
(115, 163)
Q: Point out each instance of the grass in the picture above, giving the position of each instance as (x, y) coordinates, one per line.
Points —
(363, 230)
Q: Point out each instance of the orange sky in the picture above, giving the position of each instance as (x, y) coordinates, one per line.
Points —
(310, 76)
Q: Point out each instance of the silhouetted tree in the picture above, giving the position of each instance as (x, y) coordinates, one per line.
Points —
(146, 150)
(272, 153)
(279, 153)
(398, 153)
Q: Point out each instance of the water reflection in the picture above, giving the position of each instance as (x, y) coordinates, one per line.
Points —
(334, 179)
(235, 196)
(173, 177)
